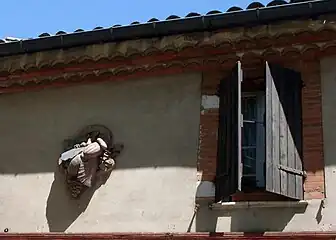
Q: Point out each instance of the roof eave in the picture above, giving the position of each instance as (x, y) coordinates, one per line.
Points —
(250, 17)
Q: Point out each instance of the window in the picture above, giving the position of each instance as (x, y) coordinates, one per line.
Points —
(260, 135)
(253, 140)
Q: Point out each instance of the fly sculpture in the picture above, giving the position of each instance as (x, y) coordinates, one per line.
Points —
(87, 157)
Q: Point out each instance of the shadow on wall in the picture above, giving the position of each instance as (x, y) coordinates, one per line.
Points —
(62, 210)
(244, 220)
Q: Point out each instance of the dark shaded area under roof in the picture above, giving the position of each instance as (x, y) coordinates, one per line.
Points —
(255, 14)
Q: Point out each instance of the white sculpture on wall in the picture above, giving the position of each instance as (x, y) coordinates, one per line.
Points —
(91, 154)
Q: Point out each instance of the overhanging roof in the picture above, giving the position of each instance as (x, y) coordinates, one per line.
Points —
(255, 14)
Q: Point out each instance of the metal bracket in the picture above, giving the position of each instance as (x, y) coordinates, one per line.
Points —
(293, 171)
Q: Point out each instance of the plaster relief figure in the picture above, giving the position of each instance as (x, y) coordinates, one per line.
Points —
(88, 160)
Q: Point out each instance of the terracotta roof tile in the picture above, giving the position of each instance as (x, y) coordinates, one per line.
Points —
(211, 20)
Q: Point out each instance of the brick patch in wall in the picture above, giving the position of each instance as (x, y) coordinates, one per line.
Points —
(209, 118)
(208, 136)
(208, 144)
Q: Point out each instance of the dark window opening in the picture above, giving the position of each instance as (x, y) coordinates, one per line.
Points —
(253, 140)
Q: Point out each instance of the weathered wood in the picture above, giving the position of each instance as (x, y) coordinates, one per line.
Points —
(290, 111)
(284, 173)
(269, 138)
(298, 137)
(229, 164)
(283, 133)
(275, 136)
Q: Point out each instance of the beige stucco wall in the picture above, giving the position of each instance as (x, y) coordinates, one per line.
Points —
(153, 187)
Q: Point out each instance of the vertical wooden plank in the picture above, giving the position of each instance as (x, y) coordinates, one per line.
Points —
(223, 165)
(229, 166)
(269, 136)
(291, 146)
(298, 136)
(283, 138)
(275, 137)
(284, 132)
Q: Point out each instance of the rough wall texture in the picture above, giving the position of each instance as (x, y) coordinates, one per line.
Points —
(153, 187)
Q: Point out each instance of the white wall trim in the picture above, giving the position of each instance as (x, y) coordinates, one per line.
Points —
(259, 204)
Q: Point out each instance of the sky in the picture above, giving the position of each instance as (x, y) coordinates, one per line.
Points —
(30, 18)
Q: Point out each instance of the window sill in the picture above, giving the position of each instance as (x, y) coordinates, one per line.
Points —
(258, 204)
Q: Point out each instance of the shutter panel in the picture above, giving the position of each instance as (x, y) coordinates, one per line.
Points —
(229, 165)
(284, 172)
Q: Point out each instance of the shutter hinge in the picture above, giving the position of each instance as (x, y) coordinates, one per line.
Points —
(293, 171)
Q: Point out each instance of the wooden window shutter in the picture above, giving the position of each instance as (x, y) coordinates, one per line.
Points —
(284, 171)
(229, 165)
